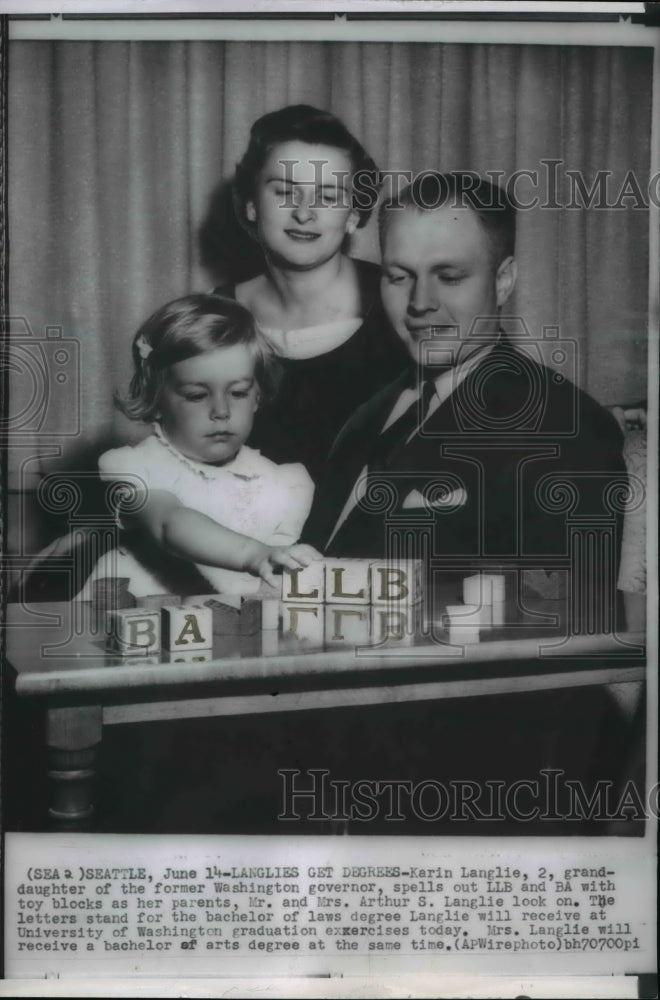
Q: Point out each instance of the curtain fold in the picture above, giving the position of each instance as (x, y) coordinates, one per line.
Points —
(118, 149)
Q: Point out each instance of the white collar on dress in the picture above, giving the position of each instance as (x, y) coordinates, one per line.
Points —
(311, 341)
(242, 466)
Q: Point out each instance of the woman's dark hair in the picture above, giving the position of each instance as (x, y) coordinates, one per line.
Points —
(185, 328)
(303, 123)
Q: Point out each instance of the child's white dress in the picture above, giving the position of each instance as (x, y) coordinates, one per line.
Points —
(251, 495)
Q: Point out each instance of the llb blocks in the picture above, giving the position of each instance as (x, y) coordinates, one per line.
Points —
(394, 584)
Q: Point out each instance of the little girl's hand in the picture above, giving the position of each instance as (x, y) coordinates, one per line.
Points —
(286, 557)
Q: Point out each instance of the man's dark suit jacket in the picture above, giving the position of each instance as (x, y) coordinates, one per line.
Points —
(519, 448)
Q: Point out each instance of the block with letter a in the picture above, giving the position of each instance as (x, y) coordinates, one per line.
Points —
(132, 631)
(305, 585)
(347, 581)
(347, 625)
(188, 627)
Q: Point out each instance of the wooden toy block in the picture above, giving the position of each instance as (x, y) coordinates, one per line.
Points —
(195, 599)
(303, 622)
(154, 602)
(465, 620)
(132, 631)
(187, 627)
(497, 587)
(270, 642)
(460, 635)
(270, 606)
(347, 581)
(306, 586)
(397, 583)
(468, 615)
(111, 593)
(392, 627)
(347, 625)
(477, 590)
(228, 617)
(190, 655)
(237, 614)
(484, 588)
(497, 612)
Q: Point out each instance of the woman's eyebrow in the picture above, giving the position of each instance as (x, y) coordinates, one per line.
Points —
(183, 382)
(297, 183)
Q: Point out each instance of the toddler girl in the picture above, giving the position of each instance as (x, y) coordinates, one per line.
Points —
(211, 510)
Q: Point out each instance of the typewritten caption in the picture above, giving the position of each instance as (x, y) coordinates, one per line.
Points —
(77, 905)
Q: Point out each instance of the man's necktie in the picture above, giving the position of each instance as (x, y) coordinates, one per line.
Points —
(394, 437)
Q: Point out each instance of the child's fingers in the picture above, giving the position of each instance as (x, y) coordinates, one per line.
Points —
(266, 573)
(287, 558)
(305, 554)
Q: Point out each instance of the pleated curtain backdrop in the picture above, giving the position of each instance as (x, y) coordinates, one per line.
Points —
(118, 151)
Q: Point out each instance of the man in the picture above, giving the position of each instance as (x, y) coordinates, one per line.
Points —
(494, 459)
(507, 459)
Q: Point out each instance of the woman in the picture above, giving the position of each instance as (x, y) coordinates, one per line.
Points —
(318, 307)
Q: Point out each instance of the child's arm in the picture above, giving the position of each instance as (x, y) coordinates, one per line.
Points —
(199, 538)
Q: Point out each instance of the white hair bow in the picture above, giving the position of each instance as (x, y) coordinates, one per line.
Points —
(144, 349)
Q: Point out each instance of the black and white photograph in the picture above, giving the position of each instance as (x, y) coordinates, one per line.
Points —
(329, 360)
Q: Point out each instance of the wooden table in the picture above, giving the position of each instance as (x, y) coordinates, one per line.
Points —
(56, 655)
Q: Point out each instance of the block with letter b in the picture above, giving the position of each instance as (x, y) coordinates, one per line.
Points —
(132, 631)
(189, 627)
(397, 583)
(392, 626)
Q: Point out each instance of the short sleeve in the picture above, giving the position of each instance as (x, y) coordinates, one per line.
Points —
(123, 463)
(297, 492)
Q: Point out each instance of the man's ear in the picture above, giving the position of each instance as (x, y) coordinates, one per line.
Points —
(505, 279)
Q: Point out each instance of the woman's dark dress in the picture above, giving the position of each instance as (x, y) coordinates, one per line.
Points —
(317, 395)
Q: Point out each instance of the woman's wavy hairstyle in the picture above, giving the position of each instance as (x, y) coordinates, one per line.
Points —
(303, 123)
(185, 328)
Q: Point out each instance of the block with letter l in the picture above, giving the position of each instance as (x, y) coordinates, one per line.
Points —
(347, 625)
(132, 631)
(303, 621)
(347, 581)
(188, 627)
(305, 585)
